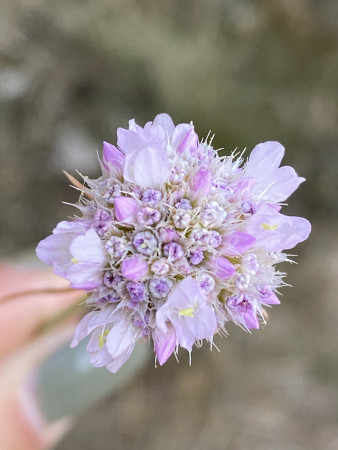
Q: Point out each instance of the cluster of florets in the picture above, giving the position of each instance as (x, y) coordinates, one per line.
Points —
(174, 241)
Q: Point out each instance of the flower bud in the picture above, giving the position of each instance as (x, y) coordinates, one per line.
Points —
(223, 268)
(167, 235)
(125, 208)
(113, 157)
(201, 182)
(134, 268)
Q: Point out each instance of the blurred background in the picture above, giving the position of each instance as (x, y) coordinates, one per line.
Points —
(72, 72)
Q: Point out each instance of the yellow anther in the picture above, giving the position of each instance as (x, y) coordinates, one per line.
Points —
(74, 260)
(266, 226)
(101, 340)
(188, 312)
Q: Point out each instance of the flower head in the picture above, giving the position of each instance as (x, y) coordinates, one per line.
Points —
(174, 241)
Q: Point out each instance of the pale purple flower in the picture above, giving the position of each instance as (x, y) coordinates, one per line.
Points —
(196, 256)
(242, 282)
(248, 207)
(182, 266)
(175, 241)
(112, 280)
(274, 231)
(165, 121)
(205, 237)
(187, 310)
(147, 163)
(243, 310)
(160, 287)
(75, 254)
(152, 196)
(173, 251)
(148, 216)
(145, 242)
(182, 219)
(272, 183)
(212, 215)
(113, 337)
(160, 267)
(116, 246)
(120, 343)
(136, 291)
(207, 282)
(177, 175)
(112, 193)
(102, 222)
(184, 203)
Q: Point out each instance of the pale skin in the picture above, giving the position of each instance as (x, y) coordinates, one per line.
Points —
(31, 302)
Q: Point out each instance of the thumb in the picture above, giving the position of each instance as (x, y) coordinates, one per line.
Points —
(22, 425)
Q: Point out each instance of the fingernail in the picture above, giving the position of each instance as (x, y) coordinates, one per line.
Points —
(66, 384)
